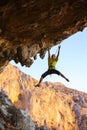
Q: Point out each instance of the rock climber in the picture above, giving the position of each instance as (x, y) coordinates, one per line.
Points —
(52, 61)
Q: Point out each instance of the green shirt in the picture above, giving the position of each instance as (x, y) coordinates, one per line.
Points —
(52, 63)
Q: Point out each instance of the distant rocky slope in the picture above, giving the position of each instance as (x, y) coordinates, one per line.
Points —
(28, 27)
(52, 106)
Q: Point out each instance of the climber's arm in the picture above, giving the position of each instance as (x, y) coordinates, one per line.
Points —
(58, 52)
(48, 53)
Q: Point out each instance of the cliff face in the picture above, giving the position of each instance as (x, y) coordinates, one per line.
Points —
(52, 105)
(29, 27)
(12, 118)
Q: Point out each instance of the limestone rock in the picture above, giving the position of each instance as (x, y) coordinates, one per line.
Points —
(52, 106)
(28, 27)
(12, 118)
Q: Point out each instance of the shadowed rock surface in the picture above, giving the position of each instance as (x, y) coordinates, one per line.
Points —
(52, 106)
(28, 27)
(12, 118)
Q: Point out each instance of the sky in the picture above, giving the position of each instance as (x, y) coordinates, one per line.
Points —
(72, 63)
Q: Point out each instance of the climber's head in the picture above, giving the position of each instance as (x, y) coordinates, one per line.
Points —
(53, 56)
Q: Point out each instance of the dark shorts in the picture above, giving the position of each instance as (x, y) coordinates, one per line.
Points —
(50, 71)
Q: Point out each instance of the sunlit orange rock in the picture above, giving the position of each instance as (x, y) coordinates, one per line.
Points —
(52, 105)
